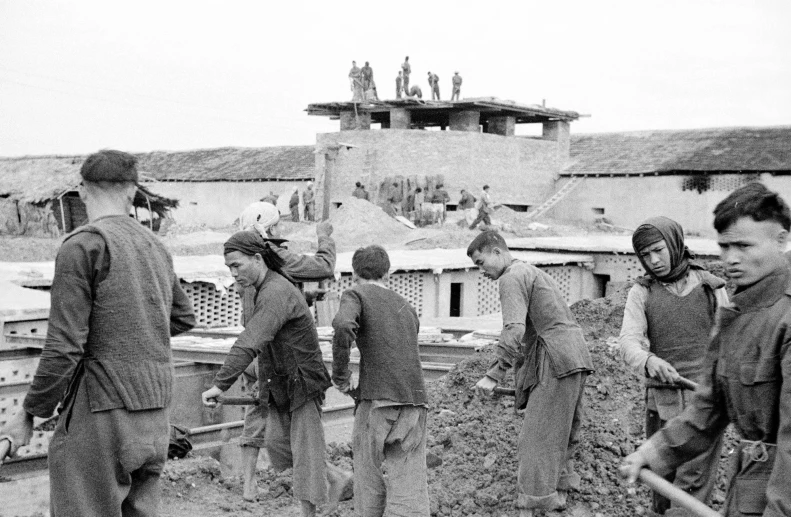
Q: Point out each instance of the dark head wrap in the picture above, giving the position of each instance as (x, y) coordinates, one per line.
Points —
(663, 228)
(250, 242)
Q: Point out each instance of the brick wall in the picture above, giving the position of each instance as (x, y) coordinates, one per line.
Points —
(519, 170)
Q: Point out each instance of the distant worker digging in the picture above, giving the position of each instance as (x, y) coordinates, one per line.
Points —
(356, 82)
(407, 69)
(399, 85)
(433, 81)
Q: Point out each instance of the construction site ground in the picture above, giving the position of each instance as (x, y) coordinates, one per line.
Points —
(474, 438)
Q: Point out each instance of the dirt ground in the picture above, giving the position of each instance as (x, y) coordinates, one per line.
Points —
(475, 440)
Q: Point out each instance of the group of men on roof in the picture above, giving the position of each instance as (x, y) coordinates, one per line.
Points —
(361, 82)
(116, 301)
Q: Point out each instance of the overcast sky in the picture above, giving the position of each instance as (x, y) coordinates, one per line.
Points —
(77, 76)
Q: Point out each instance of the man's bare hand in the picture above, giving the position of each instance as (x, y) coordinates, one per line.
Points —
(661, 370)
(485, 387)
(324, 229)
(630, 468)
(209, 396)
(17, 432)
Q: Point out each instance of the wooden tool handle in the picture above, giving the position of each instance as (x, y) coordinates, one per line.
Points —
(661, 486)
(237, 401)
(505, 391)
(687, 384)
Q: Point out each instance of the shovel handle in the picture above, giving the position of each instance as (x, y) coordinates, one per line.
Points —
(661, 486)
(237, 401)
(505, 391)
(687, 384)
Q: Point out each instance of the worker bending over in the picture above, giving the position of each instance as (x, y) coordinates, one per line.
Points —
(545, 346)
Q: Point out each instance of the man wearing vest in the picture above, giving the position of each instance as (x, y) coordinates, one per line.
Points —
(545, 346)
(282, 335)
(389, 437)
(115, 303)
(667, 321)
(746, 375)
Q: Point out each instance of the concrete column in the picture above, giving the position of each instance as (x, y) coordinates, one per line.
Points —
(560, 132)
(502, 126)
(350, 122)
(400, 119)
(465, 121)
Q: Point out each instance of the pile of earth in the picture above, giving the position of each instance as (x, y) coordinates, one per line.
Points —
(358, 223)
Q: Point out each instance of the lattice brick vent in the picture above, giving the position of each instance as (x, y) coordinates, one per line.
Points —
(213, 308)
(628, 265)
(566, 278)
(410, 285)
(488, 296)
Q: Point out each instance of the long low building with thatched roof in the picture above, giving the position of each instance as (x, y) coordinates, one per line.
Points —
(38, 197)
(630, 176)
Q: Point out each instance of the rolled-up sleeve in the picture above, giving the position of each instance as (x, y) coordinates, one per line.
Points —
(307, 268)
(633, 340)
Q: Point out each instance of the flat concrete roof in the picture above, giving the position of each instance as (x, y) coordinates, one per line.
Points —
(212, 269)
(617, 244)
(427, 111)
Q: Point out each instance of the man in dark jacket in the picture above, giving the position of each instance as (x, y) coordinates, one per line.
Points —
(115, 303)
(746, 377)
(390, 420)
(282, 335)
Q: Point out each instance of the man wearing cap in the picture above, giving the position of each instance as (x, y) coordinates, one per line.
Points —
(115, 303)
(456, 87)
(282, 335)
(264, 219)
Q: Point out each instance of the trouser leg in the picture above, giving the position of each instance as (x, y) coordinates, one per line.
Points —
(481, 217)
(369, 486)
(546, 442)
(406, 478)
(106, 464)
(297, 440)
(659, 503)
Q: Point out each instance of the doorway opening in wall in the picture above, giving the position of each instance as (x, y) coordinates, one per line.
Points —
(600, 285)
(519, 208)
(599, 211)
(337, 204)
(456, 292)
(451, 208)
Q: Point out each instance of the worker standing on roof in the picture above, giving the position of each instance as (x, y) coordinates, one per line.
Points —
(356, 82)
(399, 85)
(433, 81)
(414, 92)
(407, 69)
(115, 303)
(746, 378)
(456, 86)
(666, 326)
(542, 341)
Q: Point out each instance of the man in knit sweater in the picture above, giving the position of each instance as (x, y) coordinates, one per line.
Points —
(545, 346)
(282, 335)
(389, 438)
(115, 303)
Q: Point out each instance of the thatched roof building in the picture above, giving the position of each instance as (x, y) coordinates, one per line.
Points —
(38, 196)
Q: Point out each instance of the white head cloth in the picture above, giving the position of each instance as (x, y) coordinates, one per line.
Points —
(259, 216)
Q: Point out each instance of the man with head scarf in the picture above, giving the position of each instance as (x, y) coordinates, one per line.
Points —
(282, 335)
(264, 219)
(293, 205)
(667, 320)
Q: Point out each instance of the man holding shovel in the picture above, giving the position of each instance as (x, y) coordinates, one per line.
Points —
(543, 343)
(746, 376)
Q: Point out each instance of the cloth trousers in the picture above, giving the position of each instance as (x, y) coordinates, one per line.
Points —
(456, 93)
(482, 216)
(296, 440)
(106, 464)
(548, 439)
(309, 211)
(696, 477)
(390, 473)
